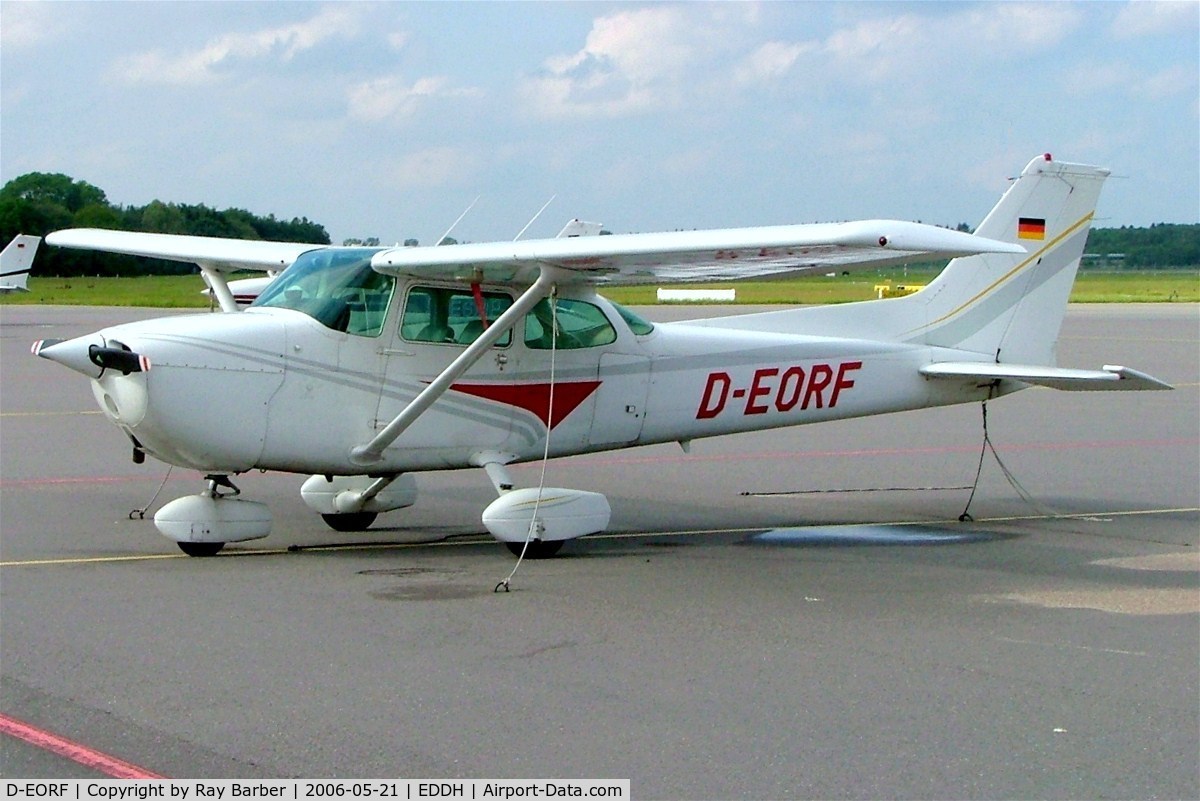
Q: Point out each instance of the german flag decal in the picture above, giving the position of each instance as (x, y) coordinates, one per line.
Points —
(1031, 228)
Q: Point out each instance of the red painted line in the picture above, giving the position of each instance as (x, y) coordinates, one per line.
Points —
(13, 483)
(88, 757)
(592, 461)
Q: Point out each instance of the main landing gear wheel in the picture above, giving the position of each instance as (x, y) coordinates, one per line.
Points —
(201, 548)
(353, 521)
(538, 549)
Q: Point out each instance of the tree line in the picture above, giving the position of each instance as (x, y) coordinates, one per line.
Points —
(1162, 246)
(37, 203)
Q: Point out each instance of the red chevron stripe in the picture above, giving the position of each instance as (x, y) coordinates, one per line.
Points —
(535, 398)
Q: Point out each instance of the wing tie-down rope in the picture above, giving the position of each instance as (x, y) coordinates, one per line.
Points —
(533, 520)
(140, 514)
(985, 447)
(1024, 494)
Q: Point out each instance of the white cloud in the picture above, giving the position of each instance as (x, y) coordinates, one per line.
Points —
(26, 25)
(205, 64)
(771, 61)
(1013, 27)
(635, 61)
(1121, 77)
(433, 168)
(1090, 77)
(1171, 81)
(881, 49)
(1141, 18)
(391, 98)
(397, 40)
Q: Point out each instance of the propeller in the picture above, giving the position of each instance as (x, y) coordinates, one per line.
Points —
(92, 355)
(118, 358)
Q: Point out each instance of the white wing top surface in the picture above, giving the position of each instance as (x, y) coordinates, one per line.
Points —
(213, 252)
(677, 257)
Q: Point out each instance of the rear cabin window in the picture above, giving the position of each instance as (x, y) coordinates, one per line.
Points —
(438, 314)
(575, 323)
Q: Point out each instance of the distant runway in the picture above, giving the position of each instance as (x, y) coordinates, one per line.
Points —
(796, 613)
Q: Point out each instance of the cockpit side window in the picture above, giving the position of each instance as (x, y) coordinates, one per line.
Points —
(444, 315)
(336, 287)
(575, 323)
(636, 324)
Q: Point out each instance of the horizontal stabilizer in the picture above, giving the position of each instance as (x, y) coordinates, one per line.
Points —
(1110, 378)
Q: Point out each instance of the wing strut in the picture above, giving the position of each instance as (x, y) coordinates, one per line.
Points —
(220, 287)
(372, 452)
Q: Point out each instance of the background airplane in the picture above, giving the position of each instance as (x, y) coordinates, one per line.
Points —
(16, 260)
(365, 366)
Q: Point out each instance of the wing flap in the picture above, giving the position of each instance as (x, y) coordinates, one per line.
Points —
(215, 253)
(679, 257)
(1111, 377)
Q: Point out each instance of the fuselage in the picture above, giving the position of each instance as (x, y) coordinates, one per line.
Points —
(295, 383)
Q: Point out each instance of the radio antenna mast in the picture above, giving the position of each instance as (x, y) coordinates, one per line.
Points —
(456, 222)
(539, 214)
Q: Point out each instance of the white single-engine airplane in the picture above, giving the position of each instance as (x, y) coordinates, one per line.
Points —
(363, 366)
(16, 260)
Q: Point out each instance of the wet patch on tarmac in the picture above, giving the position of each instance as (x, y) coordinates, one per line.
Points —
(426, 584)
(870, 534)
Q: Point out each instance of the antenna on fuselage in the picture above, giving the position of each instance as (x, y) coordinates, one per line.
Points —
(444, 236)
(545, 206)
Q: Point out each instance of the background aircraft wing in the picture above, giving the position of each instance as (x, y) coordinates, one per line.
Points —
(223, 255)
(686, 256)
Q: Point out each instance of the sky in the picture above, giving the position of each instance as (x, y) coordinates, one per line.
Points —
(389, 119)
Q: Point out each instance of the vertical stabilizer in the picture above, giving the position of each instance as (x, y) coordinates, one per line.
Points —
(1010, 308)
(15, 262)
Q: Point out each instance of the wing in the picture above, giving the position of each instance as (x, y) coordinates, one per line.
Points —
(221, 255)
(1111, 377)
(687, 256)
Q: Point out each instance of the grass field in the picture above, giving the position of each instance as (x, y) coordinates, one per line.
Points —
(186, 291)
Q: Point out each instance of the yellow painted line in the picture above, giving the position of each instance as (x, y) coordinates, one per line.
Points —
(47, 414)
(471, 540)
(87, 560)
(1139, 340)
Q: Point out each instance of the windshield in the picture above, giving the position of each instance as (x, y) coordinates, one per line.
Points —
(336, 287)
